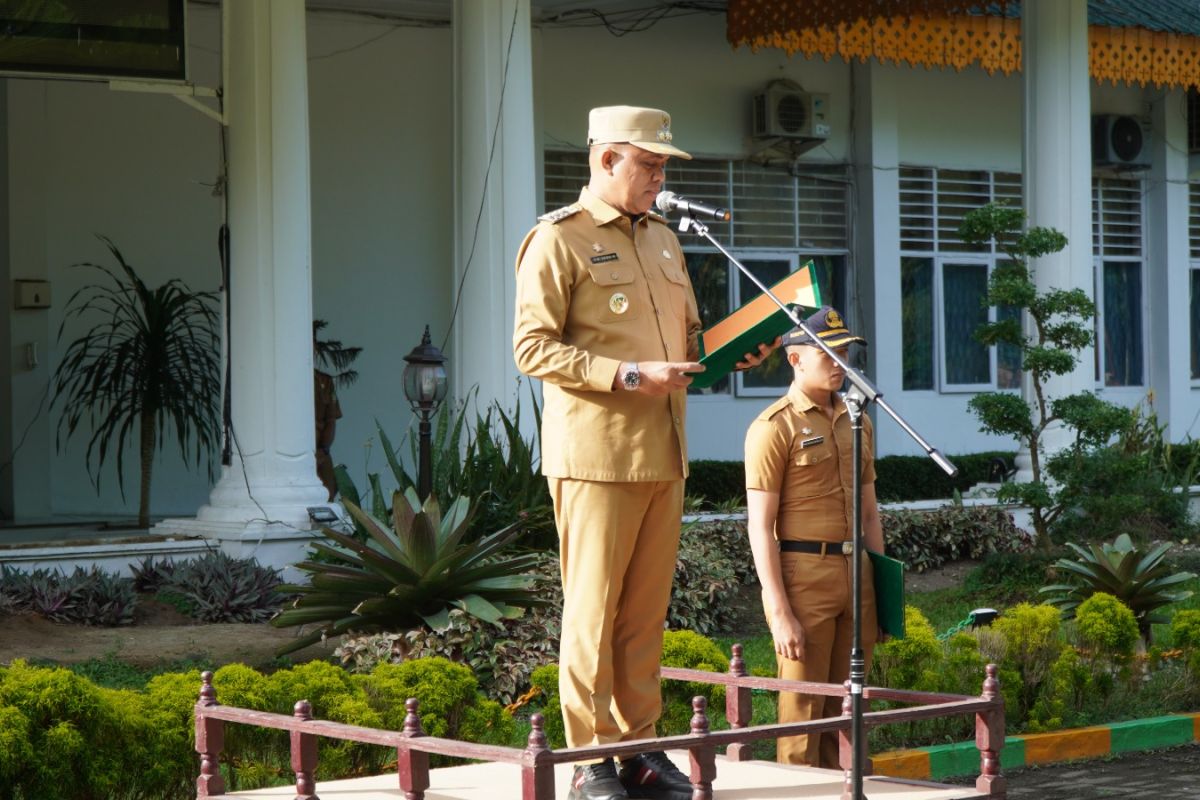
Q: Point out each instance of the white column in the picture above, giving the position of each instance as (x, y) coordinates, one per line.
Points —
(272, 479)
(502, 178)
(875, 296)
(1168, 273)
(1057, 168)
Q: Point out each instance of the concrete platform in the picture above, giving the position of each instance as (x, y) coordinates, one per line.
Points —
(746, 780)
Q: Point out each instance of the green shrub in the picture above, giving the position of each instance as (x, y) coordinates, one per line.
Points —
(1108, 626)
(1031, 641)
(897, 478)
(690, 650)
(717, 483)
(925, 540)
(1185, 629)
(906, 478)
(913, 662)
(1068, 687)
(549, 703)
(450, 704)
(706, 579)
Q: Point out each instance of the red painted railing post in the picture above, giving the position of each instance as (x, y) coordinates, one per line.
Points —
(846, 748)
(703, 756)
(537, 772)
(210, 740)
(738, 706)
(412, 765)
(989, 738)
(304, 755)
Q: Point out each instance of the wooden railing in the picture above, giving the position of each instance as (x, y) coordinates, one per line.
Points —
(537, 760)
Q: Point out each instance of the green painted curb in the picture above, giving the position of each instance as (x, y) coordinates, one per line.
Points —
(962, 758)
(1149, 734)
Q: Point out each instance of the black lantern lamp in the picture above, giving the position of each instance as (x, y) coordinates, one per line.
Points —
(425, 388)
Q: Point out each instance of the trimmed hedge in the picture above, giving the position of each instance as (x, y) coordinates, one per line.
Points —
(897, 478)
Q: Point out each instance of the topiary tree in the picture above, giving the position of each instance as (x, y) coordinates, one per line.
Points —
(1061, 327)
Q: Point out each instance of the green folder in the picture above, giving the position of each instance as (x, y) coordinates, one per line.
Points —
(889, 594)
(757, 322)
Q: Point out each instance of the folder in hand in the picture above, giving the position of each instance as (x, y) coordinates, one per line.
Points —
(889, 594)
(758, 322)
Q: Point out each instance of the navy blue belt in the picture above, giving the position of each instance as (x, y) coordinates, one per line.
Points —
(820, 548)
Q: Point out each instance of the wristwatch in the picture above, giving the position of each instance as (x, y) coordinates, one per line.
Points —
(631, 379)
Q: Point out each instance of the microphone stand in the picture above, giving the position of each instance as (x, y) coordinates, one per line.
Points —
(861, 393)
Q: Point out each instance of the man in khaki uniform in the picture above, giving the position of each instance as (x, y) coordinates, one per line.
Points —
(606, 317)
(799, 494)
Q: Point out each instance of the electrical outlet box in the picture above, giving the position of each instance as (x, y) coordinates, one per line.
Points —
(31, 294)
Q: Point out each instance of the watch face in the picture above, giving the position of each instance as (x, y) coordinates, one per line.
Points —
(632, 379)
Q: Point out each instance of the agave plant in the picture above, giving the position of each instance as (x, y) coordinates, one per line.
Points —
(411, 574)
(1142, 581)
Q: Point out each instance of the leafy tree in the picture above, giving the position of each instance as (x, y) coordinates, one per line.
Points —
(1061, 326)
(148, 363)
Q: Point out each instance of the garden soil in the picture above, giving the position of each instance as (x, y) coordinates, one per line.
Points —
(159, 635)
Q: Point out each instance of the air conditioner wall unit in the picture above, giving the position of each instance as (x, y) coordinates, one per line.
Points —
(790, 113)
(1120, 141)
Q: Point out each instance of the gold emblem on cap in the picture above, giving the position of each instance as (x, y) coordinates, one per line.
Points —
(834, 320)
(619, 303)
(597, 247)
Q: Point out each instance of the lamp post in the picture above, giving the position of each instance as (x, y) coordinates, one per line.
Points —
(425, 388)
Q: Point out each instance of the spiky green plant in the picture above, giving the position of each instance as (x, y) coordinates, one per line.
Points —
(1141, 580)
(408, 575)
(148, 363)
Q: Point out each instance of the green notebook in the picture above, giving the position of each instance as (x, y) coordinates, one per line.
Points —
(889, 594)
(757, 322)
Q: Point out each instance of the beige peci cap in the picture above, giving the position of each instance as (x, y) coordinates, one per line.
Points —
(647, 128)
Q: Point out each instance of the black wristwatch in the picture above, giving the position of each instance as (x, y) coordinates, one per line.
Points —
(631, 379)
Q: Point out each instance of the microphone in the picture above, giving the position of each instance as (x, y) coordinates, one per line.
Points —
(667, 202)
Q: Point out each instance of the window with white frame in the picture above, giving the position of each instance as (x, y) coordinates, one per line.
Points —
(1118, 257)
(944, 282)
(781, 219)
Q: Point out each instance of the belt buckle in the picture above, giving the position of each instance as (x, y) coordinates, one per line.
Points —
(847, 548)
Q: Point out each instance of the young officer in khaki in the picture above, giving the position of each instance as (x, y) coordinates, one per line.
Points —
(799, 495)
(606, 318)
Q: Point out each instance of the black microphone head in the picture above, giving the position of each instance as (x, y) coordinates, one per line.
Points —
(665, 202)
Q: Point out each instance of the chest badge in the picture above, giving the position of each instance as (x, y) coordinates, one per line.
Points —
(806, 431)
(597, 247)
(618, 303)
(666, 253)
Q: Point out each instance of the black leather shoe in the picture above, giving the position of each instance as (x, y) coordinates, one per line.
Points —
(655, 777)
(596, 782)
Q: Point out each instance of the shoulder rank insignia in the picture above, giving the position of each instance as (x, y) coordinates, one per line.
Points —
(558, 215)
(774, 408)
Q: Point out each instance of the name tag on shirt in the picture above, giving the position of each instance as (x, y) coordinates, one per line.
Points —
(604, 258)
(813, 442)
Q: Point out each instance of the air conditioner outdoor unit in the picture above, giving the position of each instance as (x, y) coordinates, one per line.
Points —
(785, 112)
(1120, 141)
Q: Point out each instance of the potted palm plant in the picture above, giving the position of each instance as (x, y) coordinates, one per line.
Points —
(147, 363)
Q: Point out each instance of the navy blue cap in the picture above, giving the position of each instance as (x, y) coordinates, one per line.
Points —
(828, 326)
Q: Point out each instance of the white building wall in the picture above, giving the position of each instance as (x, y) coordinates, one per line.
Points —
(139, 168)
(83, 159)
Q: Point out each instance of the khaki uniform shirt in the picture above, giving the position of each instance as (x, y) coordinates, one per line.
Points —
(594, 290)
(793, 449)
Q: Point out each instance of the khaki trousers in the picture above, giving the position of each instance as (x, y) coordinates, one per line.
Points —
(819, 592)
(617, 544)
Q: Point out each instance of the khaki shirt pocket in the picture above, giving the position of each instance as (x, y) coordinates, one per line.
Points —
(677, 288)
(616, 297)
(812, 473)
